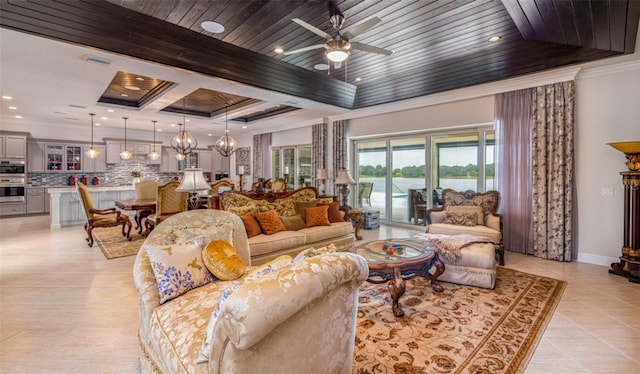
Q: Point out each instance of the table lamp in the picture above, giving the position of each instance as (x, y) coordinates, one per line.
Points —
(344, 180)
(322, 176)
(192, 182)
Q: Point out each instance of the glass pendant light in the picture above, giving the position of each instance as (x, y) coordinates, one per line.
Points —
(154, 155)
(92, 152)
(183, 142)
(126, 154)
(226, 145)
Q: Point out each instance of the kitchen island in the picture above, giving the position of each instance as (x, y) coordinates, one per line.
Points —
(66, 207)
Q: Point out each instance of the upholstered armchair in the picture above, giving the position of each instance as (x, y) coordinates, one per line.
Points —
(224, 184)
(146, 189)
(469, 212)
(168, 202)
(97, 218)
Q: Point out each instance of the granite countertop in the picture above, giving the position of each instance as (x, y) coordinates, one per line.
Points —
(126, 187)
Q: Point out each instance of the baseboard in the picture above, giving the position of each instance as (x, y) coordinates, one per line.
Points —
(596, 259)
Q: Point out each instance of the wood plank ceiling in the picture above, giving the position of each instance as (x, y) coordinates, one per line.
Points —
(437, 45)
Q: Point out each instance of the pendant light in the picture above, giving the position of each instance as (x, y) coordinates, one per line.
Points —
(183, 142)
(92, 152)
(154, 155)
(126, 154)
(226, 145)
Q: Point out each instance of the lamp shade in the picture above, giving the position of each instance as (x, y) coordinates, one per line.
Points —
(192, 181)
(322, 174)
(344, 177)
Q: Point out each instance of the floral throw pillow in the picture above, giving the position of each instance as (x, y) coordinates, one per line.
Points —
(461, 218)
(178, 268)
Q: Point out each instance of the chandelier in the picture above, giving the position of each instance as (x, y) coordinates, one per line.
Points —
(154, 155)
(92, 152)
(125, 154)
(226, 145)
(183, 142)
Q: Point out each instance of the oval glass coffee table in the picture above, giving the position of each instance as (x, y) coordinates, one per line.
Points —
(397, 260)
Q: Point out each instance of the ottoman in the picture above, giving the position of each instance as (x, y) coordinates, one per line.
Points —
(476, 266)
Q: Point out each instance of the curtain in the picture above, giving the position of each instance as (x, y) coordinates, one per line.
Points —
(261, 156)
(513, 148)
(340, 160)
(553, 170)
(318, 150)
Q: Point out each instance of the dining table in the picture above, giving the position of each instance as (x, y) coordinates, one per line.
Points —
(143, 208)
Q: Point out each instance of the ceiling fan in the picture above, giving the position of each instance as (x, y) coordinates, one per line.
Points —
(339, 45)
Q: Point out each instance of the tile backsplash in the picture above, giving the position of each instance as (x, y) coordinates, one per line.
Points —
(116, 175)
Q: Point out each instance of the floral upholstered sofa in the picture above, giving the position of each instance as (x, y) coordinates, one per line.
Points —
(287, 316)
(277, 223)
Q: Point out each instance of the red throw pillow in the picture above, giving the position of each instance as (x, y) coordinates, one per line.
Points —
(270, 222)
(318, 216)
(251, 224)
(335, 215)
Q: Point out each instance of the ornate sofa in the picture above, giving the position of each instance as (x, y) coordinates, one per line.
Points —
(265, 247)
(298, 316)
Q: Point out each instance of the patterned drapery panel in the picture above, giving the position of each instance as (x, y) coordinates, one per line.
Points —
(318, 150)
(513, 148)
(261, 156)
(340, 160)
(553, 170)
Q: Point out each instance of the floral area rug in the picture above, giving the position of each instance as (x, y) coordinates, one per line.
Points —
(461, 330)
(114, 245)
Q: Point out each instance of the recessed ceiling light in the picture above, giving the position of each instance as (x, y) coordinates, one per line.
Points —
(173, 125)
(19, 117)
(244, 126)
(104, 118)
(321, 66)
(159, 130)
(209, 134)
(12, 108)
(124, 95)
(495, 38)
(187, 120)
(212, 27)
(110, 110)
(358, 79)
(139, 79)
(5, 97)
(132, 88)
(98, 124)
(278, 50)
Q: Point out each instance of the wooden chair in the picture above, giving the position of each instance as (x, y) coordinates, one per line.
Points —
(101, 217)
(146, 189)
(278, 185)
(420, 207)
(168, 202)
(217, 188)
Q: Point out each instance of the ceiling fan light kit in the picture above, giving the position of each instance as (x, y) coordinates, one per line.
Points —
(338, 50)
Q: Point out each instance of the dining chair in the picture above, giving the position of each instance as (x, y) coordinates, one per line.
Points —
(168, 202)
(97, 218)
(146, 189)
(218, 187)
(278, 185)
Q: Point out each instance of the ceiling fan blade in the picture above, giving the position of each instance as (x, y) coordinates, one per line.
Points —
(359, 28)
(311, 28)
(309, 48)
(370, 48)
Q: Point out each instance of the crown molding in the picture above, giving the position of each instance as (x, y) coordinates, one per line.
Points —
(611, 69)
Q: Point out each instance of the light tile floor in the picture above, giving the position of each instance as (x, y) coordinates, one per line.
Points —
(65, 308)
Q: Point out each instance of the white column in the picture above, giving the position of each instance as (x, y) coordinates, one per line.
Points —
(54, 209)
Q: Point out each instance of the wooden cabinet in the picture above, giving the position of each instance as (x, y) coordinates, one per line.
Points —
(139, 150)
(98, 164)
(35, 157)
(35, 200)
(63, 157)
(8, 209)
(13, 146)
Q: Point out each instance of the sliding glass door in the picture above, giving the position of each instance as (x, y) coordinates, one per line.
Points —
(407, 176)
(370, 192)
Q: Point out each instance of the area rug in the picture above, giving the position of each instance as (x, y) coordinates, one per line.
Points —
(114, 245)
(461, 330)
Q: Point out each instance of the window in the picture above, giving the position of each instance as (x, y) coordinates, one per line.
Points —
(295, 161)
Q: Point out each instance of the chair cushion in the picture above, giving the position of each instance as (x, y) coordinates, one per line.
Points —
(442, 228)
(251, 224)
(221, 258)
(177, 268)
(263, 244)
(335, 215)
(293, 223)
(320, 233)
(461, 218)
(317, 216)
(467, 209)
(270, 222)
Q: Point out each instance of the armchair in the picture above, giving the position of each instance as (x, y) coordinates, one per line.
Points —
(168, 202)
(101, 217)
(488, 224)
(364, 192)
(146, 189)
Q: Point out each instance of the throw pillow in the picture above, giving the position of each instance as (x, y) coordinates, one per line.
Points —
(221, 258)
(270, 222)
(177, 268)
(461, 218)
(302, 205)
(251, 225)
(293, 223)
(318, 216)
(206, 344)
(468, 209)
(312, 252)
(335, 214)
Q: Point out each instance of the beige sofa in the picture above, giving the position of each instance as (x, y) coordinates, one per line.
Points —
(300, 317)
(264, 247)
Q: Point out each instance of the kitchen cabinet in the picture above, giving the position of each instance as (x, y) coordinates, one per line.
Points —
(35, 200)
(8, 209)
(98, 164)
(204, 161)
(140, 151)
(219, 163)
(169, 162)
(63, 157)
(35, 157)
(13, 146)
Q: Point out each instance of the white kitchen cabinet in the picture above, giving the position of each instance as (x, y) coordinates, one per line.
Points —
(13, 146)
(98, 164)
(63, 157)
(219, 163)
(169, 162)
(35, 200)
(204, 161)
(140, 152)
(35, 157)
